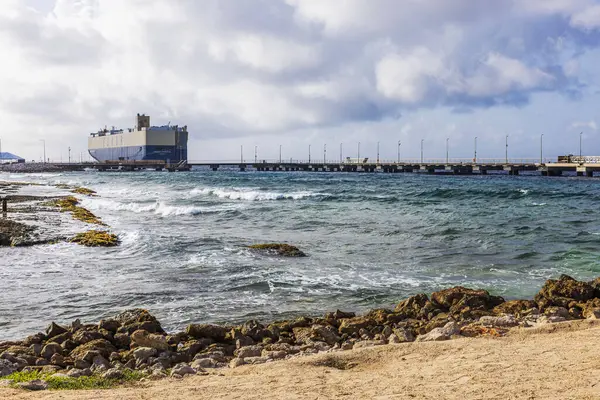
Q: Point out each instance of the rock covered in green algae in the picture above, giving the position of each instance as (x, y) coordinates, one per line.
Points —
(280, 249)
(95, 238)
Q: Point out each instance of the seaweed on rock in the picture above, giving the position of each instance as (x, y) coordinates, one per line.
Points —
(280, 249)
(95, 238)
(70, 204)
(84, 191)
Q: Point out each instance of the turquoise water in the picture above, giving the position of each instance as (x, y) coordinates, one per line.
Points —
(372, 239)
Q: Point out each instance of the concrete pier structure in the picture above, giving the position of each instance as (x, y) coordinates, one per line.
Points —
(441, 168)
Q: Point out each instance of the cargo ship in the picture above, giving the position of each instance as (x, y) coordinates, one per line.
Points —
(166, 143)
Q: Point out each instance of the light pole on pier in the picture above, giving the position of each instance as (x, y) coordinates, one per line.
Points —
(475, 156)
(255, 154)
(422, 140)
(309, 153)
(242, 153)
(447, 139)
(324, 154)
(399, 144)
(580, 153)
(542, 148)
(44, 141)
(377, 152)
(279, 154)
(341, 152)
(69, 154)
(506, 151)
(358, 154)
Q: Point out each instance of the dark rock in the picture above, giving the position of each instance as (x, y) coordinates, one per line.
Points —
(326, 334)
(111, 325)
(16, 351)
(122, 340)
(411, 307)
(7, 367)
(36, 385)
(303, 335)
(466, 303)
(193, 347)
(201, 331)
(514, 307)
(132, 320)
(250, 351)
(81, 364)
(58, 360)
(40, 362)
(339, 315)
(243, 341)
(36, 349)
(63, 337)
(183, 370)
(591, 309)
(255, 330)
(113, 373)
(100, 364)
(85, 336)
(380, 315)
(279, 249)
(353, 325)
(76, 325)
(69, 345)
(54, 330)
(102, 346)
(38, 338)
(142, 354)
(562, 292)
(143, 338)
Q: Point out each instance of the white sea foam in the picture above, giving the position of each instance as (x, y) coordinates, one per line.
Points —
(524, 191)
(159, 208)
(250, 194)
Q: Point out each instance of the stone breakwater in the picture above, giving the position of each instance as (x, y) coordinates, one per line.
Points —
(135, 340)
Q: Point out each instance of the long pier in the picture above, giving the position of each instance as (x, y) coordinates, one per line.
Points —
(587, 167)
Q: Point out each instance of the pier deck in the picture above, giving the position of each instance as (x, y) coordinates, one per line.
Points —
(450, 168)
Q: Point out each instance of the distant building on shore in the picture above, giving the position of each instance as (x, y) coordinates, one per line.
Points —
(9, 158)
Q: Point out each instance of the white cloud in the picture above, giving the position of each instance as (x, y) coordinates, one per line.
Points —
(499, 75)
(583, 124)
(265, 53)
(277, 66)
(409, 77)
(588, 18)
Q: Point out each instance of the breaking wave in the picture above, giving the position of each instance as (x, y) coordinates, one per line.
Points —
(255, 195)
(158, 208)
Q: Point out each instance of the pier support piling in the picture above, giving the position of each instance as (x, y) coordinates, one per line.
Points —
(4, 205)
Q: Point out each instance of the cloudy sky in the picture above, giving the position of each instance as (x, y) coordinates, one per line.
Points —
(297, 72)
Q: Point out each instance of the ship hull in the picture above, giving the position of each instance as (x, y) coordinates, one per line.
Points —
(140, 153)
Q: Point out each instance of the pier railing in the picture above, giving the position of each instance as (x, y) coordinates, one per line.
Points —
(354, 161)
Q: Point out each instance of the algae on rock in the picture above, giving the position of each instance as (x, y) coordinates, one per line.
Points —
(280, 249)
(71, 204)
(95, 238)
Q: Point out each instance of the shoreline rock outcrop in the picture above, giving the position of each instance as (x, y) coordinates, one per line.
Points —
(135, 340)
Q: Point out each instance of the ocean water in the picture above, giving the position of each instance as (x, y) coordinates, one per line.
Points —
(372, 240)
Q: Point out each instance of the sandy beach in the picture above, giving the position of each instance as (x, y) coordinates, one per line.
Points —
(557, 361)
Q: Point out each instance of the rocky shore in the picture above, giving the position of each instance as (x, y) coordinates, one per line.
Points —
(39, 214)
(135, 342)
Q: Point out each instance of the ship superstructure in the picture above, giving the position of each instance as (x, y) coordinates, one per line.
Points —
(144, 142)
